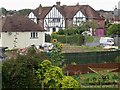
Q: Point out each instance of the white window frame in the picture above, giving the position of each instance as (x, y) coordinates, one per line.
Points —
(34, 35)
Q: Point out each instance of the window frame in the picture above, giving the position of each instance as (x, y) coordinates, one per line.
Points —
(34, 35)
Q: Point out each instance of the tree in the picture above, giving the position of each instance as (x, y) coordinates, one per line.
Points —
(20, 72)
(3, 11)
(113, 29)
(53, 77)
(49, 74)
(24, 11)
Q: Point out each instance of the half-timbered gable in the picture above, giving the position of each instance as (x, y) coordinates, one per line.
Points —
(78, 18)
(54, 21)
(32, 17)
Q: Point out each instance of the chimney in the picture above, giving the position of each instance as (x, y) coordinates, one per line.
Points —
(40, 5)
(77, 4)
(58, 4)
(40, 9)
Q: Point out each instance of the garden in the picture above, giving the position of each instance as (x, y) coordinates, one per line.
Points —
(39, 70)
(36, 69)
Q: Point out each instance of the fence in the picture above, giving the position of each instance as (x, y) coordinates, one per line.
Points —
(83, 68)
(91, 57)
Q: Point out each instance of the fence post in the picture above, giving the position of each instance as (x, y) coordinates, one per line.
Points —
(67, 73)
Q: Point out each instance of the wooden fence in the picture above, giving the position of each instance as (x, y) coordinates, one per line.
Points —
(84, 68)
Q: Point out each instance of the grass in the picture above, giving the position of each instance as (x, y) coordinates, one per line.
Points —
(74, 48)
(89, 39)
(95, 80)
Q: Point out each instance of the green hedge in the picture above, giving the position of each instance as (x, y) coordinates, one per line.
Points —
(70, 39)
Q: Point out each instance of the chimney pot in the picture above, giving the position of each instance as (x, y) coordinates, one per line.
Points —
(58, 3)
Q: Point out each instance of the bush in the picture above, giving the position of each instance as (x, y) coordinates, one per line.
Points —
(70, 39)
(53, 77)
(117, 59)
(61, 32)
(19, 72)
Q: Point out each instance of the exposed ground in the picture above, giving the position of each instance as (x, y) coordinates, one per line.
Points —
(71, 48)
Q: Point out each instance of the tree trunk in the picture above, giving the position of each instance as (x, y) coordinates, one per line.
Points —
(42, 84)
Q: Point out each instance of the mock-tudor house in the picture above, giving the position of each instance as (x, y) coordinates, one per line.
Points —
(58, 17)
(20, 32)
(50, 18)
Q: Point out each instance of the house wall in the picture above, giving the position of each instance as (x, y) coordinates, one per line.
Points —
(20, 39)
(54, 21)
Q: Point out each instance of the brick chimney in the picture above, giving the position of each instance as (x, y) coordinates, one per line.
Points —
(58, 4)
(40, 9)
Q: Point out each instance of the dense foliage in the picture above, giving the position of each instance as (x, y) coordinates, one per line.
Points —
(19, 72)
(114, 29)
(53, 77)
(72, 31)
(14, 12)
(70, 39)
(96, 79)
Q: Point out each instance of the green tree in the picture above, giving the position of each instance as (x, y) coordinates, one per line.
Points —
(3, 11)
(24, 11)
(20, 72)
(53, 77)
(49, 74)
(113, 29)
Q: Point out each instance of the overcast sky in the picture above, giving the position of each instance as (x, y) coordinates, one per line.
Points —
(32, 4)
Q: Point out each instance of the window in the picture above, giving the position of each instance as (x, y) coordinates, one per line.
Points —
(54, 20)
(34, 34)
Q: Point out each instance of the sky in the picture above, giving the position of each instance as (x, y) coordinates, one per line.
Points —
(32, 4)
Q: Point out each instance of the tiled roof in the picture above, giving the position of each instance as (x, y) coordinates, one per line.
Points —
(41, 12)
(67, 11)
(18, 24)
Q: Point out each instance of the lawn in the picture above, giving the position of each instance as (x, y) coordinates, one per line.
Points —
(74, 48)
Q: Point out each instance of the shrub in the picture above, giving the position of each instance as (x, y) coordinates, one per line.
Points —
(70, 39)
(117, 59)
(53, 77)
(19, 72)
(61, 32)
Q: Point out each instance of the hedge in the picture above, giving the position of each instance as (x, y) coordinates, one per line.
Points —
(70, 39)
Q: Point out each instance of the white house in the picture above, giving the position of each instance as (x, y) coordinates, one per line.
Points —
(20, 32)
